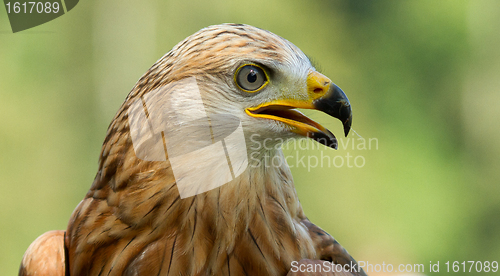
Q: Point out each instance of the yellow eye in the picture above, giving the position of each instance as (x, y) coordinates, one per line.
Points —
(250, 78)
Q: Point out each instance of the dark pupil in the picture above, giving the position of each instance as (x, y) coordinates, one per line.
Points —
(252, 76)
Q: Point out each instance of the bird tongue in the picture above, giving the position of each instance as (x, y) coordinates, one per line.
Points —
(321, 134)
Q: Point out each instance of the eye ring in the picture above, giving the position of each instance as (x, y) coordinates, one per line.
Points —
(251, 78)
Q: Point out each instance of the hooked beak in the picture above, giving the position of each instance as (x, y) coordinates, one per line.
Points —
(323, 95)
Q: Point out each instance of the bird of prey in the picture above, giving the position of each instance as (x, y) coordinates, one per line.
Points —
(136, 219)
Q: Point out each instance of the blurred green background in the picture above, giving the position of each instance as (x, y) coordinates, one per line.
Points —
(423, 78)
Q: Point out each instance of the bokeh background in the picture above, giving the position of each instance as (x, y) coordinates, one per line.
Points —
(423, 78)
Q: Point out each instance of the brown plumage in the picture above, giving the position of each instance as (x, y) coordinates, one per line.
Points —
(133, 220)
(45, 256)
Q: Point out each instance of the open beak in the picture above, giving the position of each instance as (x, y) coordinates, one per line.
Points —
(323, 95)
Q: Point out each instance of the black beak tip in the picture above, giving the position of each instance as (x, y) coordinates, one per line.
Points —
(333, 144)
(336, 104)
(347, 125)
(325, 138)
